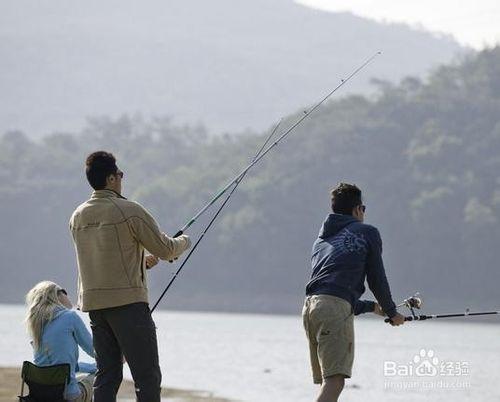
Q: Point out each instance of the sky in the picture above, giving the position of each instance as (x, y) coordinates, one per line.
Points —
(472, 23)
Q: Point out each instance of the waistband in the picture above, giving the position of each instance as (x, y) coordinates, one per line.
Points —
(330, 298)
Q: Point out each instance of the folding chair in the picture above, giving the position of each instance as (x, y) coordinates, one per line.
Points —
(46, 384)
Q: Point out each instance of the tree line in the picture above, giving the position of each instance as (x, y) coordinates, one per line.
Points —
(425, 153)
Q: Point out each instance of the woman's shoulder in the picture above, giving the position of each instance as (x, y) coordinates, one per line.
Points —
(67, 315)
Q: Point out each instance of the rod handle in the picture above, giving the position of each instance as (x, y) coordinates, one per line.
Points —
(410, 318)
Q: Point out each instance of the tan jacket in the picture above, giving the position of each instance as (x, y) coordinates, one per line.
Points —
(110, 234)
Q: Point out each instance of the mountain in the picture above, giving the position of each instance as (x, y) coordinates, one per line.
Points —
(231, 65)
(425, 153)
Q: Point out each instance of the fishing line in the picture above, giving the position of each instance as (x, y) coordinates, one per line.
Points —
(285, 134)
(212, 221)
(262, 152)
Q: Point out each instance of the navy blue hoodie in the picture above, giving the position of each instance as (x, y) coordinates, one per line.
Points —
(345, 253)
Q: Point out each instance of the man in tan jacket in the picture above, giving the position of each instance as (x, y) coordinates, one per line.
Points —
(111, 235)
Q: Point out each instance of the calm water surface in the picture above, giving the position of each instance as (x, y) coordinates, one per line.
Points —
(265, 358)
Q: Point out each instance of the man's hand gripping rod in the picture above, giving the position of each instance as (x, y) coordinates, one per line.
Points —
(415, 302)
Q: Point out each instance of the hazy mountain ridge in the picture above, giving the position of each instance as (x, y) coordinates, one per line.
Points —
(425, 153)
(228, 64)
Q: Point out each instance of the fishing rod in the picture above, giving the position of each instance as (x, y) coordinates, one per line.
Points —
(285, 134)
(424, 317)
(262, 152)
(415, 302)
(213, 219)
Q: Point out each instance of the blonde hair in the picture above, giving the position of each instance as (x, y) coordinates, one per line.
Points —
(41, 300)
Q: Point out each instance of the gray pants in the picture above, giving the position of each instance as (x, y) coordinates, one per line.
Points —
(125, 331)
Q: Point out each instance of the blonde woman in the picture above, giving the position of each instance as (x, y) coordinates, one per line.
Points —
(56, 332)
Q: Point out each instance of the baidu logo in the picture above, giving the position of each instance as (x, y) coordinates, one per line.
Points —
(426, 370)
(426, 363)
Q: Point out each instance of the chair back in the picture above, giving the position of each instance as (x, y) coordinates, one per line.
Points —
(46, 384)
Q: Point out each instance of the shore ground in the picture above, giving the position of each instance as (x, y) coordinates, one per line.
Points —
(10, 386)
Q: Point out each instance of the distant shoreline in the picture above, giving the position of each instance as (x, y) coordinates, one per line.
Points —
(479, 320)
(10, 386)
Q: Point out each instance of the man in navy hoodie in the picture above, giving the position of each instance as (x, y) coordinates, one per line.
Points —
(345, 253)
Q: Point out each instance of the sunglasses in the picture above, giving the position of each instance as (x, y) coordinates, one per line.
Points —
(63, 291)
(363, 208)
(119, 173)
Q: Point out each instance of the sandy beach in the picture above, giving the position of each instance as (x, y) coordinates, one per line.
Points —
(10, 386)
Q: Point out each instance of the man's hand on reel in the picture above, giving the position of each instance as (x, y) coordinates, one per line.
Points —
(397, 320)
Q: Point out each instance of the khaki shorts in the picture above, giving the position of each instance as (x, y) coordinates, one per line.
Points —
(329, 325)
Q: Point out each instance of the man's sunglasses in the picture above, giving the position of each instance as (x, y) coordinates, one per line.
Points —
(363, 208)
(119, 173)
(63, 291)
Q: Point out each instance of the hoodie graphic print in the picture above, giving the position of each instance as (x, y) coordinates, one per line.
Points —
(346, 253)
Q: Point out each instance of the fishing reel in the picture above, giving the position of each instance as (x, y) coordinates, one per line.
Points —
(412, 303)
(415, 302)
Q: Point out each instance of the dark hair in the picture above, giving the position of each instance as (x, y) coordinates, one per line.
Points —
(98, 166)
(345, 197)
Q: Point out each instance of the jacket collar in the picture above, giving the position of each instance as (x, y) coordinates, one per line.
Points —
(334, 223)
(106, 194)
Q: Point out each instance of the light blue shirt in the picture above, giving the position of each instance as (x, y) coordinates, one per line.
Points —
(60, 340)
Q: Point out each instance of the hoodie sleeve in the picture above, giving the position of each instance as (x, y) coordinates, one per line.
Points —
(146, 231)
(82, 335)
(364, 306)
(376, 278)
(87, 367)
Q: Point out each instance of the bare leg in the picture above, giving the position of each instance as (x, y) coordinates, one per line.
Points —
(331, 389)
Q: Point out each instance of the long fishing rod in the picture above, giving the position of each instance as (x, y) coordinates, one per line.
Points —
(285, 134)
(424, 317)
(415, 302)
(242, 174)
(236, 184)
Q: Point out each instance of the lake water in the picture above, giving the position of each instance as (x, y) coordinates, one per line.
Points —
(265, 358)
